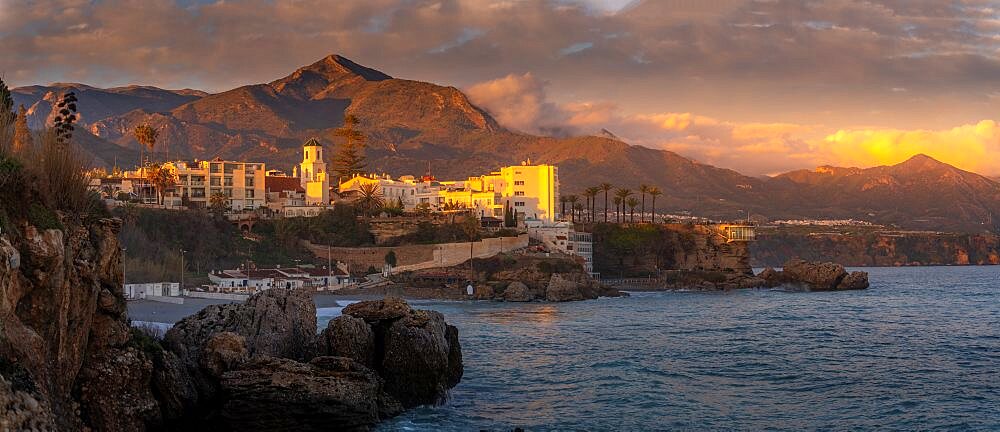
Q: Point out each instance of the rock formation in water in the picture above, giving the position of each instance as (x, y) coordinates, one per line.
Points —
(815, 276)
(509, 277)
(70, 361)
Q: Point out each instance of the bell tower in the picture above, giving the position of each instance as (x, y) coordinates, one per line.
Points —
(312, 173)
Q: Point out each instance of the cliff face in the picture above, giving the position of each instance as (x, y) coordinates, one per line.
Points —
(641, 250)
(70, 361)
(63, 327)
(878, 249)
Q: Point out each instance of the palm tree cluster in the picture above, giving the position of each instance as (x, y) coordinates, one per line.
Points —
(624, 198)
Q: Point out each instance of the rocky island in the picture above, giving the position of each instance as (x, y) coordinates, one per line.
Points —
(69, 359)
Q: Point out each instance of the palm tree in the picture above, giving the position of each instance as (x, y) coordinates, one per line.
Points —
(618, 202)
(623, 193)
(218, 203)
(643, 189)
(370, 199)
(579, 209)
(146, 136)
(606, 187)
(572, 200)
(161, 178)
(562, 201)
(632, 203)
(591, 194)
(653, 193)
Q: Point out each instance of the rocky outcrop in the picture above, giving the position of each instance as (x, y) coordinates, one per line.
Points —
(517, 291)
(326, 393)
(70, 361)
(815, 276)
(415, 351)
(63, 323)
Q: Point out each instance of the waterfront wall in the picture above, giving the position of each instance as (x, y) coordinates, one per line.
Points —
(416, 257)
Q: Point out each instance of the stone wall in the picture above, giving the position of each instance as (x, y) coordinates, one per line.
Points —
(415, 257)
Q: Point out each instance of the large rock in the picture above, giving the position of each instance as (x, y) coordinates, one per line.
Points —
(415, 362)
(277, 322)
(818, 276)
(415, 351)
(329, 393)
(388, 308)
(116, 392)
(855, 281)
(223, 352)
(562, 288)
(814, 276)
(351, 337)
(517, 292)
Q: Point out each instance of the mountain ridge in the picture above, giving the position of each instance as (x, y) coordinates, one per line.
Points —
(414, 126)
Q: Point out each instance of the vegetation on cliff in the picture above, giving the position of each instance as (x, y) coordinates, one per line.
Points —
(637, 250)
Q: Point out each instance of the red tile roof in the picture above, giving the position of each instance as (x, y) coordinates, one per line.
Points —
(281, 184)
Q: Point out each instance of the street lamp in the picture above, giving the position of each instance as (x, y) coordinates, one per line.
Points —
(182, 269)
(123, 268)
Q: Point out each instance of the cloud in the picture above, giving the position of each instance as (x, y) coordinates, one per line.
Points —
(759, 86)
(519, 102)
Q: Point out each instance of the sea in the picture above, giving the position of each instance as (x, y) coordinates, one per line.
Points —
(919, 350)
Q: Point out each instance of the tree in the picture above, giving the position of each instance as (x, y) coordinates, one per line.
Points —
(509, 219)
(578, 207)
(606, 187)
(390, 258)
(591, 194)
(370, 200)
(572, 200)
(62, 124)
(350, 159)
(618, 203)
(22, 134)
(632, 203)
(563, 199)
(146, 136)
(623, 194)
(470, 226)
(6, 105)
(643, 189)
(653, 193)
(218, 203)
(161, 178)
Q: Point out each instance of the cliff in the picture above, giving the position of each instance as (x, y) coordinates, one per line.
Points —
(643, 250)
(70, 361)
(875, 248)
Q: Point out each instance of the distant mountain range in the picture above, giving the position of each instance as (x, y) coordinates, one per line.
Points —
(414, 127)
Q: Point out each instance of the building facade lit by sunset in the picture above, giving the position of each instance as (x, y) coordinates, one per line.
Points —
(531, 190)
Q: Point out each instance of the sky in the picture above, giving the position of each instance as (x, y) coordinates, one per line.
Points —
(759, 86)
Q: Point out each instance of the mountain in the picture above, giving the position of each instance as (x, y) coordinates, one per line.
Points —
(922, 192)
(416, 127)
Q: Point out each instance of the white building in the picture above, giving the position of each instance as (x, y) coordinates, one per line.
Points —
(241, 182)
(312, 174)
(158, 289)
(532, 191)
(560, 237)
(256, 280)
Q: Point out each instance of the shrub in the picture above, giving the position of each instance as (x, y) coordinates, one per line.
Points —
(43, 218)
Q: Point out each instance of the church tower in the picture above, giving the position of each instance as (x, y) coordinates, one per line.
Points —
(312, 173)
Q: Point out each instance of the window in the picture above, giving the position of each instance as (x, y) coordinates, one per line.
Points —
(518, 193)
(249, 193)
(228, 181)
(249, 182)
(518, 182)
(215, 181)
(518, 204)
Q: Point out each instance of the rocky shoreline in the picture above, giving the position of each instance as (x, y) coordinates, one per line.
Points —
(796, 274)
(70, 361)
